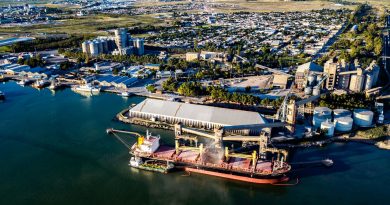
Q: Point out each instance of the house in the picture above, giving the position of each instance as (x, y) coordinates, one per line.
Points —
(164, 74)
(152, 66)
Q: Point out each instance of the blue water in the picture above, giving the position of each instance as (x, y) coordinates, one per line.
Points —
(54, 150)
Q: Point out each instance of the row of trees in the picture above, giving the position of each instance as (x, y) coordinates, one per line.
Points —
(50, 43)
(218, 94)
(348, 101)
(32, 62)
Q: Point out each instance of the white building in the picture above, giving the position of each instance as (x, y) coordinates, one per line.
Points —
(193, 115)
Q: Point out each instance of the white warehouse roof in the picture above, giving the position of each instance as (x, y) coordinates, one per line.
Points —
(222, 116)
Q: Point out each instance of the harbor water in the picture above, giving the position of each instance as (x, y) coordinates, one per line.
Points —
(54, 150)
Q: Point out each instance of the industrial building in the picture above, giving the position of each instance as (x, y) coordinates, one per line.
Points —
(13, 69)
(120, 44)
(305, 70)
(101, 45)
(193, 115)
(116, 81)
(353, 77)
(126, 45)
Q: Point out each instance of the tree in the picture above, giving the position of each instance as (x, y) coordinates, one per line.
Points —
(115, 71)
(151, 88)
(65, 65)
(248, 89)
(170, 84)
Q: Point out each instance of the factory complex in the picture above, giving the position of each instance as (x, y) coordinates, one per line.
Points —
(119, 44)
(193, 115)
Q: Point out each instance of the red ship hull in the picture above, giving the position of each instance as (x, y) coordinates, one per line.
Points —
(239, 178)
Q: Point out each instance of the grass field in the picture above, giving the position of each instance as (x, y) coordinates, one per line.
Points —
(89, 24)
(279, 6)
(21, 2)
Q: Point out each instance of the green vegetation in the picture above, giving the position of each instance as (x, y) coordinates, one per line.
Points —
(190, 89)
(151, 88)
(170, 85)
(218, 94)
(5, 49)
(66, 65)
(32, 62)
(85, 25)
(50, 43)
(373, 133)
(364, 43)
(347, 101)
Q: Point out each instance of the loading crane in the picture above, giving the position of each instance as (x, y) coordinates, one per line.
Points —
(282, 111)
(219, 136)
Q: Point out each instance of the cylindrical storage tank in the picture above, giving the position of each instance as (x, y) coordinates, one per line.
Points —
(100, 44)
(308, 91)
(341, 113)
(93, 47)
(311, 80)
(105, 46)
(343, 124)
(85, 47)
(363, 118)
(322, 110)
(329, 127)
(318, 78)
(316, 91)
(320, 118)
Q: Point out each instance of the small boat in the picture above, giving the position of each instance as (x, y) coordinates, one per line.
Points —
(2, 96)
(125, 94)
(151, 165)
(87, 88)
(40, 84)
(25, 82)
(54, 85)
(327, 162)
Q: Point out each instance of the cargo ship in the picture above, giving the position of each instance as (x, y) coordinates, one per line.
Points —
(212, 161)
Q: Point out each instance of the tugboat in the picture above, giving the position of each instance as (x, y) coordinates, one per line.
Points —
(151, 165)
(2, 96)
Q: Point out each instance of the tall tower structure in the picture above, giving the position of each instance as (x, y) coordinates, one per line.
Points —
(121, 38)
(291, 115)
(330, 68)
(139, 45)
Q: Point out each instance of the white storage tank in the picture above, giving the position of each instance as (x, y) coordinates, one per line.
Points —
(318, 78)
(343, 124)
(362, 117)
(319, 118)
(341, 113)
(85, 47)
(329, 127)
(311, 80)
(94, 48)
(308, 91)
(322, 110)
(316, 91)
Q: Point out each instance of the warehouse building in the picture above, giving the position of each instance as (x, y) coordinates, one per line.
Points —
(116, 81)
(193, 115)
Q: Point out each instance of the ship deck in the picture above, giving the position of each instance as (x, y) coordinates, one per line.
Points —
(193, 157)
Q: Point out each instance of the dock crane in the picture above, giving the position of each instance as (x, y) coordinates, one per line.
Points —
(263, 140)
(282, 111)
